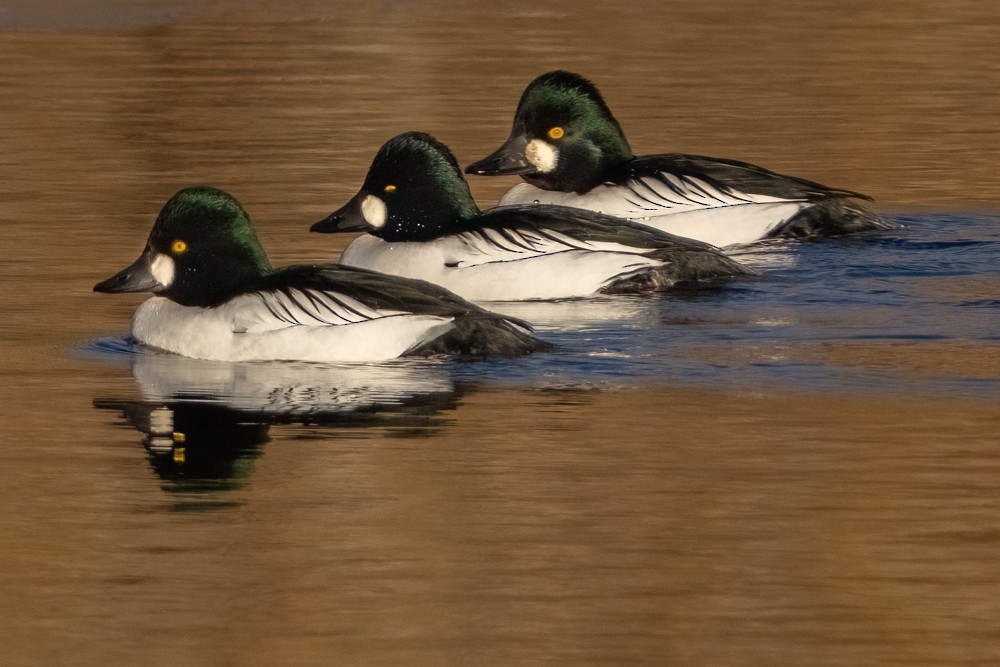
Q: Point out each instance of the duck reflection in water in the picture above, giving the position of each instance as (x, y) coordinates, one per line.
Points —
(196, 446)
(206, 422)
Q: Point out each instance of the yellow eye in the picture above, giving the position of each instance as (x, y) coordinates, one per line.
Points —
(556, 133)
(389, 188)
(179, 246)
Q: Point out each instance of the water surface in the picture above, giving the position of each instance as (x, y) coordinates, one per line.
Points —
(800, 468)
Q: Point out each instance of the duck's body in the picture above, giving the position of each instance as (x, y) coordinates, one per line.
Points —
(690, 196)
(569, 148)
(224, 333)
(221, 300)
(490, 272)
(433, 231)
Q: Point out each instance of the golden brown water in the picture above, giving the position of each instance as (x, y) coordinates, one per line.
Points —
(559, 522)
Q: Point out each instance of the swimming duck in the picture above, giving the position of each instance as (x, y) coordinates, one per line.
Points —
(422, 222)
(569, 148)
(217, 297)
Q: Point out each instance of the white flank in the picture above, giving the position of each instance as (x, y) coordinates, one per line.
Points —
(726, 226)
(213, 333)
(374, 211)
(689, 208)
(542, 155)
(162, 268)
(492, 268)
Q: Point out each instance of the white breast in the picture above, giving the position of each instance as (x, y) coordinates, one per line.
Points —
(691, 208)
(491, 267)
(242, 330)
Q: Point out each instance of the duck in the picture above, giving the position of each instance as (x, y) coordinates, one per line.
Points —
(422, 222)
(217, 297)
(570, 150)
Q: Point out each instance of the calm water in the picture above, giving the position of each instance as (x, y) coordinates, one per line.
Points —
(801, 468)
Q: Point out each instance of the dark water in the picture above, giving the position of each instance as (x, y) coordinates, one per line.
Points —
(801, 468)
(913, 310)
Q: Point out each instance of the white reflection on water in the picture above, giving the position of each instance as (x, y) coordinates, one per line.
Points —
(289, 389)
(205, 422)
(578, 315)
(766, 255)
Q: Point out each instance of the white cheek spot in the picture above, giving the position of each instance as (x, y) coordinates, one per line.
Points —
(162, 268)
(542, 155)
(373, 210)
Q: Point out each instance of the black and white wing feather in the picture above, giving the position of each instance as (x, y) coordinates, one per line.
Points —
(333, 295)
(269, 310)
(521, 232)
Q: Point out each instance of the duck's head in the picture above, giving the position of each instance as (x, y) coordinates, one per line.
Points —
(564, 137)
(414, 191)
(202, 250)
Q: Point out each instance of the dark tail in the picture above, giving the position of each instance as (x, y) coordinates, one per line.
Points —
(831, 217)
(485, 335)
(696, 266)
(683, 268)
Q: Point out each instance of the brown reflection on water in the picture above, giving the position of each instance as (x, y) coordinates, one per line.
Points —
(662, 526)
(900, 359)
(656, 526)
